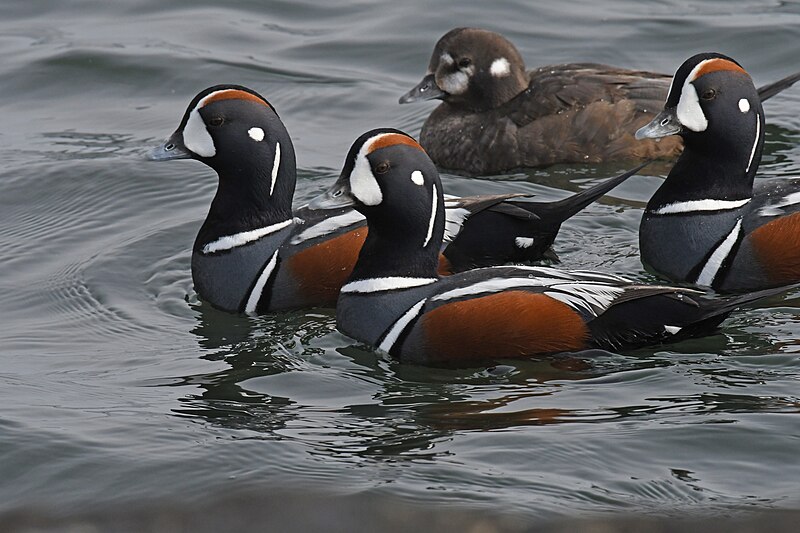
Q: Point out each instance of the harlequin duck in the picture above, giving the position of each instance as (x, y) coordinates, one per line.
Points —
(254, 254)
(495, 116)
(708, 224)
(395, 301)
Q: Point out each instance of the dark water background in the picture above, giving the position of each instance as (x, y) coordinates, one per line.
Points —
(117, 386)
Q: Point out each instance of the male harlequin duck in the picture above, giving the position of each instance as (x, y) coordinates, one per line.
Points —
(395, 301)
(495, 116)
(254, 254)
(708, 224)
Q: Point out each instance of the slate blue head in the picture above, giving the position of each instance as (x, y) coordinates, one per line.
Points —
(389, 178)
(236, 132)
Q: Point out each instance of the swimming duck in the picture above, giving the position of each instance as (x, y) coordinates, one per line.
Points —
(711, 223)
(496, 116)
(395, 301)
(254, 253)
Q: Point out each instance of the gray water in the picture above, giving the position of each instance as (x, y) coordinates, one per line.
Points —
(119, 387)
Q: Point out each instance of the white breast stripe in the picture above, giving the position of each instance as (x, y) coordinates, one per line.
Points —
(755, 142)
(276, 163)
(714, 262)
(328, 225)
(258, 288)
(432, 221)
(700, 205)
(239, 239)
(386, 284)
(400, 325)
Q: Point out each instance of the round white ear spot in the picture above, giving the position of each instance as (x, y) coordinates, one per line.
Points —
(417, 177)
(257, 134)
(744, 105)
(500, 67)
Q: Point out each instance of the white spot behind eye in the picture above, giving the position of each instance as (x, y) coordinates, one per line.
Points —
(500, 67)
(446, 58)
(744, 105)
(257, 134)
(417, 177)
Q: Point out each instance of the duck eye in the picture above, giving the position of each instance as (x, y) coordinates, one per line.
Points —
(382, 167)
(709, 94)
(216, 121)
(464, 62)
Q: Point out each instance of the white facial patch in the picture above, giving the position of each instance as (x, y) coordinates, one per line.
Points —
(446, 58)
(417, 178)
(744, 105)
(500, 67)
(257, 134)
(276, 163)
(455, 83)
(689, 112)
(196, 137)
(363, 184)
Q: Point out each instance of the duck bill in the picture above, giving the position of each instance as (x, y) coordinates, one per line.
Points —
(425, 90)
(339, 195)
(666, 123)
(170, 149)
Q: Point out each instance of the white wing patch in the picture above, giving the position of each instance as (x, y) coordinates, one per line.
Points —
(327, 226)
(523, 242)
(454, 218)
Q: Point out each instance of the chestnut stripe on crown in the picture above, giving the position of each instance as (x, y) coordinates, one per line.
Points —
(713, 65)
(391, 139)
(231, 94)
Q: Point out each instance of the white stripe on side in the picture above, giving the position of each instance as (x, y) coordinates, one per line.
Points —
(328, 225)
(276, 163)
(432, 221)
(258, 288)
(714, 262)
(238, 239)
(755, 142)
(385, 284)
(700, 205)
(388, 342)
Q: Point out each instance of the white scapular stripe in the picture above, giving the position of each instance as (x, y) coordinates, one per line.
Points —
(276, 163)
(674, 330)
(328, 225)
(714, 262)
(385, 284)
(454, 218)
(258, 288)
(755, 142)
(700, 205)
(776, 209)
(432, 221)
(239, 239)
(401, 324)
(523, 242)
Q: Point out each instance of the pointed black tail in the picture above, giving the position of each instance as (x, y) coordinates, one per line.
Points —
(768, 91)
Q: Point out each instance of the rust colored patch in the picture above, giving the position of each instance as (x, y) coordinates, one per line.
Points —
(445, 267)
(713, 65)
(390, 139)
(322, 269)
(507, 324)
(233, 94)
(777, 246)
